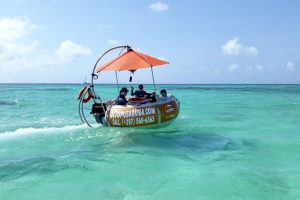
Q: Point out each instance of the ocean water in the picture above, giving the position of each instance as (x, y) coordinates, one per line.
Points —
(228, 142)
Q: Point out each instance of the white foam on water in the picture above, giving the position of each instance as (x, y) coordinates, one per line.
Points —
(45, 130)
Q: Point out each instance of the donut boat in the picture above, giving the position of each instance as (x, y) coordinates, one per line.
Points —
(137, 115)
(138, 112)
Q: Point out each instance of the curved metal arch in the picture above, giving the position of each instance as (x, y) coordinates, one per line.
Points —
(106, 52)
(91, 87)
(80, 107)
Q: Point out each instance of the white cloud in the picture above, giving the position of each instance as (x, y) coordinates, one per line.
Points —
(112, 42)
(158, 7)
(233, 67)
(68, 50)
(290, 66)
(13, 29)
(234, 47)
(18, 52)
(13, 32)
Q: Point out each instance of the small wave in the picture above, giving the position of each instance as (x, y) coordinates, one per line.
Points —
(184, 117)
(10, 103)
(45, 130)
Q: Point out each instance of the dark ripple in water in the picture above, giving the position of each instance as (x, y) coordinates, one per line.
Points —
(36, 89)
(38, 165)
(230, 117)
(187, 145)
(9, 103)
(14, 170)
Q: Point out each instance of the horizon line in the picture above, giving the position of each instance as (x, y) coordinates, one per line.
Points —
(160, 83)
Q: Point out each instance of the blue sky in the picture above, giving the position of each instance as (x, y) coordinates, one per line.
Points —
(224, 41)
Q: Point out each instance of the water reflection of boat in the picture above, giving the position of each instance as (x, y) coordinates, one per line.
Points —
(139, 111)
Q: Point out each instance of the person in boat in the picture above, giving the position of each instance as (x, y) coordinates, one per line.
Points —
(140, 92)
(152, 97)
(164, 95)
(121, 100)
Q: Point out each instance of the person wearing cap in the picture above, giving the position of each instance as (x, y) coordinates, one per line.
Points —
(140, 92)
(121, 99)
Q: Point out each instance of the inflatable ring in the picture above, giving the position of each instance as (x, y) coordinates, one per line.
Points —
(85, 99)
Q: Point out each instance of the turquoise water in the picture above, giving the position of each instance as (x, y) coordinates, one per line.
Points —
(229, 142)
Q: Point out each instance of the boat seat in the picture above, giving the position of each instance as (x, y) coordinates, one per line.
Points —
(138, 100)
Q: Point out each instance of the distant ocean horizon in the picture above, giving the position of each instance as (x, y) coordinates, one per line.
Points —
(230, 141)
(162, 83)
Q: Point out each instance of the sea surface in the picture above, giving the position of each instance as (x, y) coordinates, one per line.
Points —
(228, 142)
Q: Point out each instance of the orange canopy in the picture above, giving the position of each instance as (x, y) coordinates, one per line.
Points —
(130, 60)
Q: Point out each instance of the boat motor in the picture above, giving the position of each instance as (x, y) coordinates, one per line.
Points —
(98, 111)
